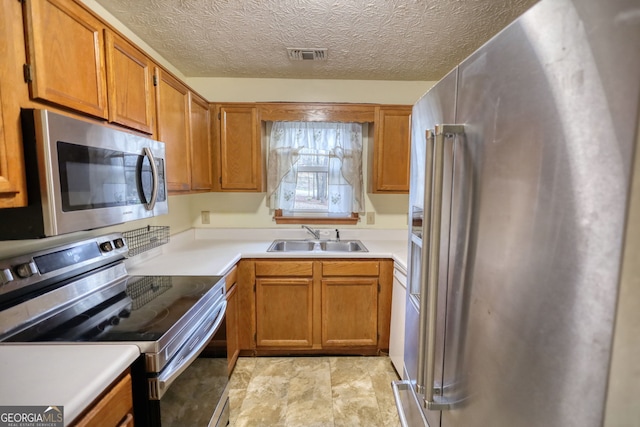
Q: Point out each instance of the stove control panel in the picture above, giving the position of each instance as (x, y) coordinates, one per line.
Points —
(38, 270)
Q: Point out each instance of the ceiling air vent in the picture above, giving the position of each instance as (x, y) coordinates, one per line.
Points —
(307, 54)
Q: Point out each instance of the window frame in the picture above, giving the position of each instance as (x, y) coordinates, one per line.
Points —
(319, 112)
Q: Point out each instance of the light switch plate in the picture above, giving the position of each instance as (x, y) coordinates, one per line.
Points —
(371, 217)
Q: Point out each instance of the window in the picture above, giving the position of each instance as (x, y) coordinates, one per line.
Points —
(315, 169)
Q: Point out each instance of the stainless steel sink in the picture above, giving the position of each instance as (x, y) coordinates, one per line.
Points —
(343, 246)
(291, 246)
(317, 246)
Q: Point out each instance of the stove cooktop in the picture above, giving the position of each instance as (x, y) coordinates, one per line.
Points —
(139, 308)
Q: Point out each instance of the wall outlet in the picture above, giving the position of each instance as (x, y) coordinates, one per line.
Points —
(371, 217)
(206, 218)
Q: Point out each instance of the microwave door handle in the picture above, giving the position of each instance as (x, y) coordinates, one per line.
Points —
(154, 174)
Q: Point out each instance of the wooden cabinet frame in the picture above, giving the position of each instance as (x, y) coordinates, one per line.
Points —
(322, 285)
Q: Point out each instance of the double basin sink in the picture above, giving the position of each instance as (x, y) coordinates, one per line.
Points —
(317, 246)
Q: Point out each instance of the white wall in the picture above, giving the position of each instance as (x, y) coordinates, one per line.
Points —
(179, 219)
(302, 90)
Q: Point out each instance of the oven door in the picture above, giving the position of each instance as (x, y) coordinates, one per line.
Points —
(192, 389)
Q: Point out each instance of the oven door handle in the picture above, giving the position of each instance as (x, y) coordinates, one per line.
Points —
(160, 384)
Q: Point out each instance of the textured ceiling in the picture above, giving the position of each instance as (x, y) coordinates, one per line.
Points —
(366, 39)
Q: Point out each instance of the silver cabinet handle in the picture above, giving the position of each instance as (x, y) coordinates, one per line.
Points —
(154, 173)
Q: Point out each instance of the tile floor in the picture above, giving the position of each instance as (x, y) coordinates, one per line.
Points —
(312, 392)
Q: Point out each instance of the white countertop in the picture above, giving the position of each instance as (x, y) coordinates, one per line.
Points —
(69, 375)
(215, 251)
(73, 375)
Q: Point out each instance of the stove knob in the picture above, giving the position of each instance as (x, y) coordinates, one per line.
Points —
(118, 243)
(27, 269)
(124, 313)
(106, 247)
(114, 320)
(5, 276)
(103, 325)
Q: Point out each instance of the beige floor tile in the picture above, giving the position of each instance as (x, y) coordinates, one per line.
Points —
(313, 392)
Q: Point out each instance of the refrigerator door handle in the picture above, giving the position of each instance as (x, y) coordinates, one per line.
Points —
(424, 261)
(434, 399)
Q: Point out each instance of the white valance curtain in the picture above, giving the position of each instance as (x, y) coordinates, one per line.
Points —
(337, 146)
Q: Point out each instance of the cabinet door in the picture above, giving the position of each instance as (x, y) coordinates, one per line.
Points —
(392, 150)
(284, 312)
(172, 112)
(66, 56)
(349, 312)
(233, 347)
(201, 160)
(12, 187)
(240, 151)
(130, 84)
(12, 92)
(233, 341)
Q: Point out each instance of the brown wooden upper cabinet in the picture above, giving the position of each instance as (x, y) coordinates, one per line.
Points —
(392, 150)
(65, 55)
(172, 111)
(11, 185)
(12, 176)
(201, 160)
(240, 158)
(130, 84)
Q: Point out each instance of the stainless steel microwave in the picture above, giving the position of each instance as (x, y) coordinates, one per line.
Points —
(83, 175)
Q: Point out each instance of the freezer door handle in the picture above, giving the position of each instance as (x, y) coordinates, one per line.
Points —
(433, 399)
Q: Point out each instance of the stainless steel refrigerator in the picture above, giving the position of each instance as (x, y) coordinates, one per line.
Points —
(523, 278)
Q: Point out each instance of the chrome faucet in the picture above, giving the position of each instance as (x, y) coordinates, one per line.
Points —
(315, 233)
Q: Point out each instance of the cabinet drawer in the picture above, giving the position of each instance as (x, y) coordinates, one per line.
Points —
(350, 268)
(113, 408)
(284, 268)
(231, 278)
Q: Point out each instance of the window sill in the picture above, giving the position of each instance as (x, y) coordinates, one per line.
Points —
(289, 219)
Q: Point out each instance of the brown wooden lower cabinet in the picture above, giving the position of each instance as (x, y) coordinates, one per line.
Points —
(284, 312)
(349, 312)
(315, 306)
(113, 408)
(233, 346)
